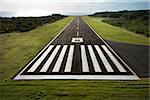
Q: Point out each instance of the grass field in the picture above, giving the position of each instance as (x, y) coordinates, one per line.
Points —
(74, 90)
(17, 49)
(112, 33)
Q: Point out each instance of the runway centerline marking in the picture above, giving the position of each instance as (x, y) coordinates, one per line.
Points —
(77, 33)
(93, 60)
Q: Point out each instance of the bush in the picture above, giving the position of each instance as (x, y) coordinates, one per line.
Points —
(23, 24)
(136, 21)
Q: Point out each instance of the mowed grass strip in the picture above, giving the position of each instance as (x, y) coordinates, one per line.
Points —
(73, 90)
(17, 49)
(113, 33)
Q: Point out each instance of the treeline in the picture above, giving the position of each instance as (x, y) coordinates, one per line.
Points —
(136, 21)
(23, 24)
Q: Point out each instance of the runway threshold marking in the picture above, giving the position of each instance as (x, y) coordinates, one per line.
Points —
(69, 59)
(118, 65)
(94, 60)
(50, 59)
(104, 60)
(60, 59)
(85, 67)
(38, 62)
(84, 64)
(69, 62)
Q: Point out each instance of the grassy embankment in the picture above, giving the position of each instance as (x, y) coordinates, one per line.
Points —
(136, 21)
(113, 33)
(24, 24)
(18, 49)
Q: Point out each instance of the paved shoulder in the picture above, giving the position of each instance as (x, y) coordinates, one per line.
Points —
(137, 56)
(77, 53)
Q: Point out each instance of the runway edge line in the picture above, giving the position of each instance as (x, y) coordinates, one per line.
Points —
(17, 76)
(136, 76)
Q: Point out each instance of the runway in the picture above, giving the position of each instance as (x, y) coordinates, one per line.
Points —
(77, 53)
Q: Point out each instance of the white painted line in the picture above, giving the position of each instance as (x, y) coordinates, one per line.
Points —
(118, 65)
(78, 28)
(94, 60)
(112, 50)
(78, 25)
(104, 60)
(85, 66)
(77, 40)
(44, 48)
(38, 62)
(50, 59)
(60, 59)
(77, 33)
(82, 77)
(69, 59)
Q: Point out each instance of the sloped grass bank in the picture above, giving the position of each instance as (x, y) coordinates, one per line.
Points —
(17, 49)
(113, 33)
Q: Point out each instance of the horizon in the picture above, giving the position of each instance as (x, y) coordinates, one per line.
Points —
(35, 8)
(76, 14)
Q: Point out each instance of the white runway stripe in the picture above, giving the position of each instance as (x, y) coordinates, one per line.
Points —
(85, 66)
(38, 62)
(50, 59)
(118, 65)
(77, 33)
(104, 60)
(69, 59)
(60, 59)
(94, 60)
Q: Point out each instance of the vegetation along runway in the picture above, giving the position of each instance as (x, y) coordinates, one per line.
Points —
(77, 53)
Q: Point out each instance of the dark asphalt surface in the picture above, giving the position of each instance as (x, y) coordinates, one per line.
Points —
(84, 31)
(136, 56)
(132, 55)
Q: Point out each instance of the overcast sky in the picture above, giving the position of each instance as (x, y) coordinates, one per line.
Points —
(71, 7)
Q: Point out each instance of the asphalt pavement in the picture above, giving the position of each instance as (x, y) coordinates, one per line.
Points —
(136, 56)
(78, 53)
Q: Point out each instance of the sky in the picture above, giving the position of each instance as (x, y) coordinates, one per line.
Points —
(9, 8)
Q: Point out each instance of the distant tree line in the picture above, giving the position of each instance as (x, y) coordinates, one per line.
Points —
(23, 24)
(136, 21)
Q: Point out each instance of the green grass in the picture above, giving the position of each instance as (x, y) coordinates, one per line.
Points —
(112, 33)
(17, 49)
(74, 90)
